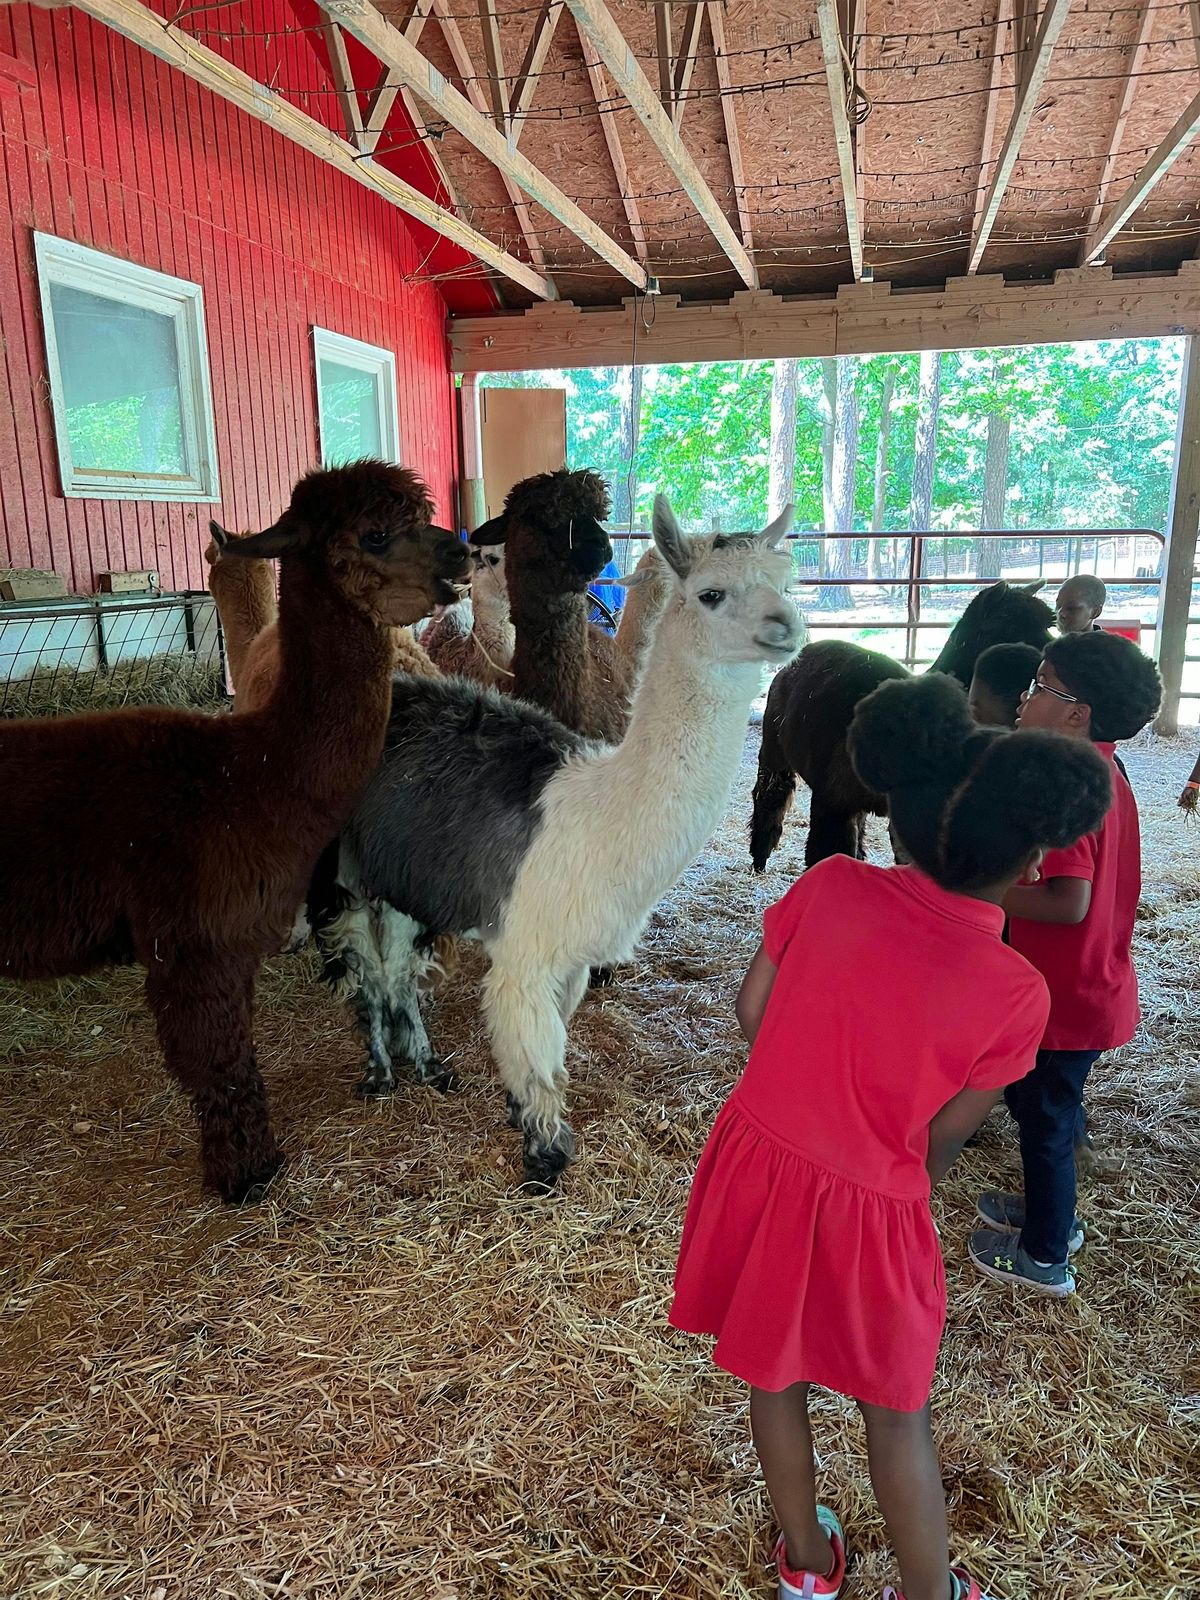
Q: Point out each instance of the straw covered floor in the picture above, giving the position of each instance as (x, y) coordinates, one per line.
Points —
(398, 1377)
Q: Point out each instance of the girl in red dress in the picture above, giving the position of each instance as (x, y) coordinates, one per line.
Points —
(886, 1016)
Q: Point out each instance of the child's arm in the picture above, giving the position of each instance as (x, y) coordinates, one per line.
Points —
(1191, 790)
(953, 1126)
(1052, 900)
(754, 994)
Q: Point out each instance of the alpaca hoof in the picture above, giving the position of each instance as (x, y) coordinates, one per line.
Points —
(374, 1088)
(513, 1106)
(545, 1162)
(435, 1074)
(601, 977)
(251, 1187)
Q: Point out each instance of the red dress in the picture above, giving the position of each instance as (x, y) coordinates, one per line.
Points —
(809, 1249)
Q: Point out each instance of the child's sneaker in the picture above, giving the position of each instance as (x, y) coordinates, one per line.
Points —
(1006, 1213)
(1003, 1257)
(812, 1585)
(965, 1587)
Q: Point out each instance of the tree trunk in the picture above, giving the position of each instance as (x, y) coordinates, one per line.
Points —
(929, 397)
(843, 478)
(781, 482)
(631, 411)
(995, 488)
(879, 506)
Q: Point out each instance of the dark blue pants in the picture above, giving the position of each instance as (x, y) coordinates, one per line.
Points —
(1047, 1105)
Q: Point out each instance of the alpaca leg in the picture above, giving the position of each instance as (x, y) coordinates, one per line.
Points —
(831, 832)
(354, 962)
(773, 794)
(202, 1001)
(529, 1042)
(404, 966)
(573, 988)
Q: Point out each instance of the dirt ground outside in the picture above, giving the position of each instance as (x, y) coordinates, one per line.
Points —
(399, 1378)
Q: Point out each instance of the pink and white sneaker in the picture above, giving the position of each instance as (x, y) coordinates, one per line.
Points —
(965, 1587)
(811, 1585)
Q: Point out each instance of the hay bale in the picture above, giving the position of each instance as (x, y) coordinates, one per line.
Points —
(189, 681)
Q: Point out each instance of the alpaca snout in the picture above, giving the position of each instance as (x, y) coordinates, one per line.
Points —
(781, 631)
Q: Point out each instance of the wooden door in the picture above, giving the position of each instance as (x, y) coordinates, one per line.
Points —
(524, 431)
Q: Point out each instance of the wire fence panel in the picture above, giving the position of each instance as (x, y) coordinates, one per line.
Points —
(98, 652)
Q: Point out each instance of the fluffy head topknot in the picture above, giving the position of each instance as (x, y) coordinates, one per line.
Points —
(554, 498)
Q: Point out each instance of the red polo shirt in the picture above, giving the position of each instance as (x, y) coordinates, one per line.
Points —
(1088, 965)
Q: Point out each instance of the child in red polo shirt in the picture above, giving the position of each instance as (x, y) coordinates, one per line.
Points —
(1076, 926)
(886, 1016)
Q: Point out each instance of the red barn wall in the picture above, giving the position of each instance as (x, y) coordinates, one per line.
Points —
(115, 150)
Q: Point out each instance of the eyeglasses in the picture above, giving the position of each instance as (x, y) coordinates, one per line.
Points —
(1037, 687)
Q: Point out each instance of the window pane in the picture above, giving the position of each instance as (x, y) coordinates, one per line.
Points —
(350, 420)
(120, 376)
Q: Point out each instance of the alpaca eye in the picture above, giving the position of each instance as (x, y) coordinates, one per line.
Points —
(711, 597)
(375, 542)
(493, 561)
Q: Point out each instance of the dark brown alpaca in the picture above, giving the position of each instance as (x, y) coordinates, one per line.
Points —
(554, 547)
(184, 841)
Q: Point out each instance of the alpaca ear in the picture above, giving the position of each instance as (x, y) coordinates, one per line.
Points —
(280, 539)
(1032, 588)
(220, 540)
(492, 531)
(782, 524)
(632, 579)
(672, 542)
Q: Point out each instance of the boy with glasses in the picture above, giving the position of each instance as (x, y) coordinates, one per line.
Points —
(1075, 925)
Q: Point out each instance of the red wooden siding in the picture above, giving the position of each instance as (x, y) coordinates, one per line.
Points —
(115, 150)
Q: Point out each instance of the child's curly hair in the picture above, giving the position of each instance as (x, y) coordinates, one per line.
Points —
(1112, 676)
(970, 805)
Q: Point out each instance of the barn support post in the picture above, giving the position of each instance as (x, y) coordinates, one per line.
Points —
(1175, 596)
(474, 501)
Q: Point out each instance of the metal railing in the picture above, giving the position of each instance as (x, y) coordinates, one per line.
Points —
(107, 650)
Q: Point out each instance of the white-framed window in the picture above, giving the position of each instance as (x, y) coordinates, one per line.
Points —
(129, 383)
(356, 399)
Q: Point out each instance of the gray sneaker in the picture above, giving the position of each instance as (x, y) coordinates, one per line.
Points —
(1006, 1212)
(1002, 1256)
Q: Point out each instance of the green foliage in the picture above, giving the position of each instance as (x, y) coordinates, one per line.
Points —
(1091, 442)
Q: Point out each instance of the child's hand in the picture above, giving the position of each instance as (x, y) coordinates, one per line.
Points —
(1189, 800)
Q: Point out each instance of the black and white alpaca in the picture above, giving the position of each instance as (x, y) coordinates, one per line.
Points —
(488, 817)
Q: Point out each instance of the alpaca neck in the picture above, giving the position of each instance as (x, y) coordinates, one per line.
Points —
(549, 660)
(244, 593)
(493, 626)
(676, 764)
(323, 728)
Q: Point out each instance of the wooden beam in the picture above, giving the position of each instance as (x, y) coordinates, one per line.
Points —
(497, 81)
(1034, 67)
(597, 27)
(343, 82)
(980, 312)
(685, 62)
(540, 41)
(146, 28)
(465, 67)
(616, 153)
(665, 51)
(1140, 45)
(1184, 129)
(1175, 596)
(371, 29)
(1003, 27)
(836, 76)
(383, 97)
(716, 26)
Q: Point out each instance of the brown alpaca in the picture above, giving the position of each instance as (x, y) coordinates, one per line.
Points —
(254, 661)
(186, 841)
(483, 651)
(644, 603)
(244, 591)
(554, 547)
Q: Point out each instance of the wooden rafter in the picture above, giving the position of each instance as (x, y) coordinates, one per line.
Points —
(1004, 25)
(665, 51)
(616, 154)
(494, 55)
(417, 73)
(1140, 46)
(833, 49)
(540, 41)
(1034, 64)
(383, 96)
(1160, 161)
(343, 82)
(600, 31)
(465, 67)
(733, 138)
(146, 28)
(685, 62)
